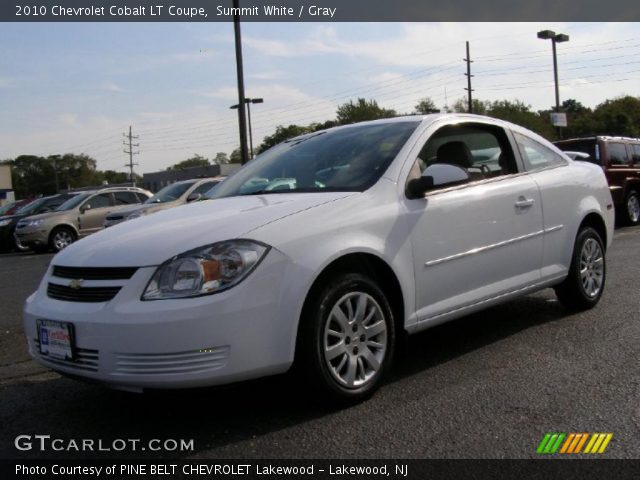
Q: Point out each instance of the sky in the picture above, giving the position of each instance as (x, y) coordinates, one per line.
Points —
(77, 87)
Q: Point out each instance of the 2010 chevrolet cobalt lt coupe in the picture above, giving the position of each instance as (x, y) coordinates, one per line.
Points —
(380, 229)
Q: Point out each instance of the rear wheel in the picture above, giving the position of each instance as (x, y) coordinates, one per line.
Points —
(347, 338)
(632, 204)
(583, 286)
(61, 238)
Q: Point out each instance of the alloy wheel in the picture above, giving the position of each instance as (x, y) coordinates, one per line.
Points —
(355, 339)
(591, 267)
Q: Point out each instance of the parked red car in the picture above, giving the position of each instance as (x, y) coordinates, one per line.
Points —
(619, 157)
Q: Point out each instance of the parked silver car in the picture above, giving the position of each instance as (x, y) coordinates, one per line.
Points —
(81, 215)
(174, 195)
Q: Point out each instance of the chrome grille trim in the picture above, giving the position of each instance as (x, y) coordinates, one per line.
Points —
(94, 273)
(171, 363)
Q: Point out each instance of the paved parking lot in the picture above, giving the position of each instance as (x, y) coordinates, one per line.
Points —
(487, 386)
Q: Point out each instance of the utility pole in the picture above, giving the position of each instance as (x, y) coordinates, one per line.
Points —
(468, 75)
(242, 117)
(131, 153)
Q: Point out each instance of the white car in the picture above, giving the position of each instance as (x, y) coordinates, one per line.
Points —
(393, 226)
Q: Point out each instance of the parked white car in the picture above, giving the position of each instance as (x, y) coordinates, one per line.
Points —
(391, 227)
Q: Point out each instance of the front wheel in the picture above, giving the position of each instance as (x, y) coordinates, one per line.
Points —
(347, 338)
(61, 238)
(583, 286)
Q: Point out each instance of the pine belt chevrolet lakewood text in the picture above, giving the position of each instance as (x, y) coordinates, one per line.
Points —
(321, 253)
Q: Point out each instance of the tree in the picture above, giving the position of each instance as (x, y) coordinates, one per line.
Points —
(221, 158)
(425, 106)
(620, 116)
(281, 134)
(195, 161)
(236, 156)
(480, 107)
(520, 113)
(362, 110)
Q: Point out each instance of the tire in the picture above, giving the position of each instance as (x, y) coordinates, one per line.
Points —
(632, 208)
(583, 287)
(345, 349)
(60, 238)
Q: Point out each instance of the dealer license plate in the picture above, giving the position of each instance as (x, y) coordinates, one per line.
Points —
(56, 339)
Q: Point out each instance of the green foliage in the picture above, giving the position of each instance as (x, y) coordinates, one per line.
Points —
(480, 107)
(521, 114)
(236, 156)
(361, 110)
(195, 161)
(425, 106)
(221, 158)
(281, 134)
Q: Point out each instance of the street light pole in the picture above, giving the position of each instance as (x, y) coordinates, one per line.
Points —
(555, 38)
(248, 102)
(242, 121)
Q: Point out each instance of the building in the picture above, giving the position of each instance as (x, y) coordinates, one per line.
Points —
(155, 181)
(6, 186)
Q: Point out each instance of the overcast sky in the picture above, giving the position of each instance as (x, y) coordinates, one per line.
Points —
(77, 87)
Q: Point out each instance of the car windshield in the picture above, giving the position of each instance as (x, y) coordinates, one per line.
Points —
(31, 206)
(169, 193)
(345, 159)
(5, 208)
(73, 202)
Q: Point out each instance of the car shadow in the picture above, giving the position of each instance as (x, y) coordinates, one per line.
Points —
(219, 417)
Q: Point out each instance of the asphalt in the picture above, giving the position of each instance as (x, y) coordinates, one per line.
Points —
(489, 385)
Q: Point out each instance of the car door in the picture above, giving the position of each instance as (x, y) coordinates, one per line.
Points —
(476, 241)
(93, 212)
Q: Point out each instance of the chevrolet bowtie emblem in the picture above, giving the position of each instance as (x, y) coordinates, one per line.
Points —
(76, 283)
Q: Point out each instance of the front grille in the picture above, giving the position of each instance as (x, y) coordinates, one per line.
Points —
(85, 359)
(82, 294)
(94, 273)
(172, 363)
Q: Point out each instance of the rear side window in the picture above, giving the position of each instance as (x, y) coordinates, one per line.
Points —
(618, 154)
(588, 146)
(126, 198)
(635, 153)
(535, 155)
(98, 201)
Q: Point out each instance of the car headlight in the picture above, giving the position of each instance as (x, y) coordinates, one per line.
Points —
(4, 223)
(32, 223)
(136, 214)
(205, 270)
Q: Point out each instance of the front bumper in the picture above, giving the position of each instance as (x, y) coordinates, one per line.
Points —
(31, 238)
(245, 332)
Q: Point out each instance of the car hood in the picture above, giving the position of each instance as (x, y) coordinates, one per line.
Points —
(147, 208)
(153, 239)
(48, 215)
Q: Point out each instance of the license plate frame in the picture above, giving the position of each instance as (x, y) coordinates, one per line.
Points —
(56, 339)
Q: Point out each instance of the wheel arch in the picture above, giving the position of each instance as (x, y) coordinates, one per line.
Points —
(595, 221)
(368, 264)
(66, 225)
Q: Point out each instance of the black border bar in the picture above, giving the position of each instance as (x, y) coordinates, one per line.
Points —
(318, 10)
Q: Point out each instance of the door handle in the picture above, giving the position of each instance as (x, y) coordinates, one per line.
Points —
(525, 202)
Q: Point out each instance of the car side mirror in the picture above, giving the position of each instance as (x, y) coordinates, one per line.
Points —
(437, 175)
(193, 197)
(85, 207)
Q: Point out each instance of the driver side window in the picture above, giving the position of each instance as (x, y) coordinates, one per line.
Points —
(482, 151)
(98, 201)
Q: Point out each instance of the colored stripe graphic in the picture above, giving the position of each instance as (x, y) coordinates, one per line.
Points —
(573, 443)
